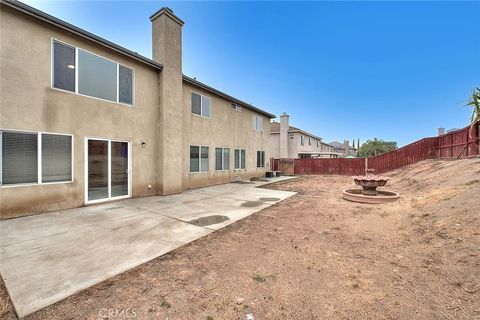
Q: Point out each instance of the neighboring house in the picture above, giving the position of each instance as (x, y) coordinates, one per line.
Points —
(290, 142)
(84, 120)
(344, 149)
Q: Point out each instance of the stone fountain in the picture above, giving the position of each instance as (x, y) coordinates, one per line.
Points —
(369, 193)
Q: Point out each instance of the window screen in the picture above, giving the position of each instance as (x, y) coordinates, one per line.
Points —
(237, 159)
(63, 67)
(260, 159)
(226, 159)
(196, 104)
(97, 76)
(206, 106)
(19, 157)
(194, 159)
(242, 164)
(125, 86)
(56, 158)
(204, 159)
(218, 158)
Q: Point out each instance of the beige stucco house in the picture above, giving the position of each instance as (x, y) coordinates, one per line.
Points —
(290, 142)
(83, 120)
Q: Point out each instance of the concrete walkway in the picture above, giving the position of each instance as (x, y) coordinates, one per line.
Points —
(47, 257)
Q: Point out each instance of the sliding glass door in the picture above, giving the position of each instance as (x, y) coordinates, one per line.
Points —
(107, 169)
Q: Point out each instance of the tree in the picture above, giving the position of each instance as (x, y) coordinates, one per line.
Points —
(474, 102)
(375, 147)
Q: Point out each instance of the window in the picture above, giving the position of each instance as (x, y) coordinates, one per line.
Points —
(222, 159)
(198, 158)
(79, 71)
(240, 156)
(56, 158)
(260, 159)
(35, 158)
(257, 123)
(201, 105)
(125, 86)
(309, 141)
(236, 107)
(302, 140)
(318, 143)
(63, 67)
(292, 136)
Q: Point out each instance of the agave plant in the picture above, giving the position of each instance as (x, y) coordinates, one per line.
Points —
(474, 102)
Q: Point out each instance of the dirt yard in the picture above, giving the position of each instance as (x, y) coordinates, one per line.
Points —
(316, 256)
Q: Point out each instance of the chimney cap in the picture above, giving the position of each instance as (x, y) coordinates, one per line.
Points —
(284, 114)
(168, 12)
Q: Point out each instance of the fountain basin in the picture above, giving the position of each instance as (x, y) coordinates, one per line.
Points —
(357, 195)
(370, 183)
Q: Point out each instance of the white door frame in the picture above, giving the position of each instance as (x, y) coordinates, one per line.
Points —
(109, 151)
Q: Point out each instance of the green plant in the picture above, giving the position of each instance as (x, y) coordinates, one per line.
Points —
(259, 278)
(474, 102)
(375, 147)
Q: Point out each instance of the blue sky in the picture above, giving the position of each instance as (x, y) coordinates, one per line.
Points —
(342, 70)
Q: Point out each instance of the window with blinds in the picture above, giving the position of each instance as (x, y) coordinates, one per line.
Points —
(19, 158)
(23, 154)
(56, 158)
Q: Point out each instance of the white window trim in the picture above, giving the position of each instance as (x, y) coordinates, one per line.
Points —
(39, 159)
(229, 154)
(199, 159)
(85, 166)
(201, 105)
(256, 126)
(240, 160)
(53, 40)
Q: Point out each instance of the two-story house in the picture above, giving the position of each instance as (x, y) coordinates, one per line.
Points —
(290, 142)
(84, 120)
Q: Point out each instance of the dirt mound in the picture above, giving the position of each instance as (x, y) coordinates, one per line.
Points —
(317, 256)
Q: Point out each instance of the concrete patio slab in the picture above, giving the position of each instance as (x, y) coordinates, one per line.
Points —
(47, 257)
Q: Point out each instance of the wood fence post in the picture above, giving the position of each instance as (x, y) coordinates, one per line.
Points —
(366, 165)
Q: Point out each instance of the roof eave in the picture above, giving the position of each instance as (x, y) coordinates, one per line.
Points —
(17, 5)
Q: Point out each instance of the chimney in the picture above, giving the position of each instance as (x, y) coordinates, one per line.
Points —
(284, 138)
(441, 131)
(167, 50)
(346, 145)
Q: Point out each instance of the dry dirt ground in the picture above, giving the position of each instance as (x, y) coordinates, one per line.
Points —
(316, 256)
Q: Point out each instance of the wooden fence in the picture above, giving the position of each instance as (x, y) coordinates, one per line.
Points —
(463, 143)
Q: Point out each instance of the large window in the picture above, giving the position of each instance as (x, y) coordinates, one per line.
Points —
(260, 159)
(201, 105)
(257, 123)
(302, 140)
(198, 158)
(85, 73)
(35, 158)
(222, 159)
(240, 159)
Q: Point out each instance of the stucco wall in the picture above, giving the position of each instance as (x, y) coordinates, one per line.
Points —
(274, 145)
(27, 102)
(225, 128)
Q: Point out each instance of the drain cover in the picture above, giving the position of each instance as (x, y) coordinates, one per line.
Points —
(209, 220)
(251, 204)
